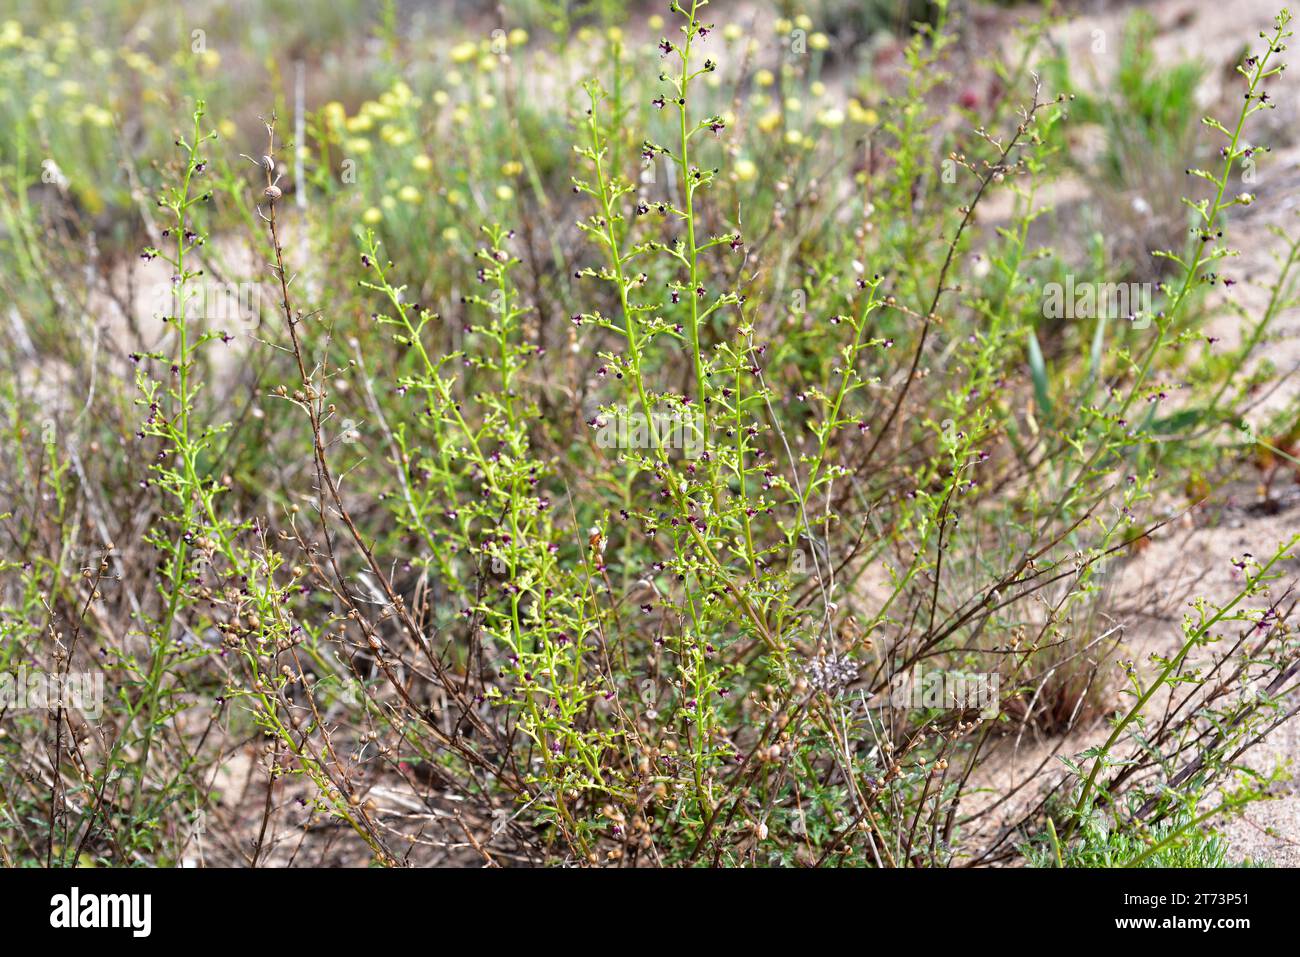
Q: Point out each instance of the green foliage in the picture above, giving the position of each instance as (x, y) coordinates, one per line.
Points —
(1100, 846)
(600, 448)
(1144, 109)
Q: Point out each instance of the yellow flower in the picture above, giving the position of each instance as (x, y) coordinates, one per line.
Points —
(454, 78)
(69, 87)
(769, 122)
(518, 37)
(793, 137)
(440, 98)
(97, 115)
(831, 118)
(860, 114)
(512, 168)
(409, 194)
(803, 21)
(394, 135)
(334, 113)
(450, 234)
(210, 59)
(139, 62)
(460, 116)
(455, 197)
(464, 52)
(817, 89)
(819, 41)
(745, 170)
(387, 202)
(487, 101)
(732, 32)
(615, 35)
(91, 199)
(372, 216)
(422, 163)
(656, 22)
(505, 193)
(793, 104)
(782, 25)
(227, 129)
(357, 145)
(359, 123)
(764, 78)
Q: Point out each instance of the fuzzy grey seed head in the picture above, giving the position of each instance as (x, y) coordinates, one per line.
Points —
(830, 672)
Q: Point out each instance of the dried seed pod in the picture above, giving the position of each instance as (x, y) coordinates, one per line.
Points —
(273, 193)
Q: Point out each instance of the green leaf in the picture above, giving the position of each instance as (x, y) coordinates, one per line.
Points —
(1038, 371)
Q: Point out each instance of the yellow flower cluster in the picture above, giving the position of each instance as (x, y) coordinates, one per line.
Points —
(485, 54)
(862, 114)
(50, 56)
(388, 115)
